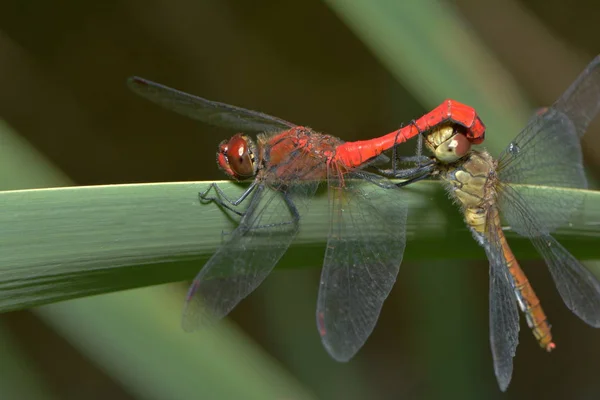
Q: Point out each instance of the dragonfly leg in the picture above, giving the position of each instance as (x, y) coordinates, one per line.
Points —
(222, 200)
(293, 210)
(419, 149)
(394, 156)
(418, 158)
(225, 233)
(423, 164)
(425, 172)
(422, 169)
(373, 179)
(410, 173)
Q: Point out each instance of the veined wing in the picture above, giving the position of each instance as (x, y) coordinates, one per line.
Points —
(265, 232)
(504, 315)
(364, 251)
(548, 152)
(578, 287)
(211, 112)
(558, 129)
(581, 102)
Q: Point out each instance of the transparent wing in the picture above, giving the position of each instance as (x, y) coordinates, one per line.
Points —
(581, 101)
(548, 152)
(364, 251)
(211, 112)
(250, 253)
(578, 287)
(504, 315)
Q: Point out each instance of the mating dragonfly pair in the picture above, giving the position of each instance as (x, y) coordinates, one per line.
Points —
(368, 214)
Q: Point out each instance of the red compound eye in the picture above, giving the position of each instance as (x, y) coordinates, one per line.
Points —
(236, 157)
(453, 149)
(461, 145)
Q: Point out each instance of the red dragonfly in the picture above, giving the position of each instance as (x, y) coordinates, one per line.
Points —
(547, 152)
(366, 239)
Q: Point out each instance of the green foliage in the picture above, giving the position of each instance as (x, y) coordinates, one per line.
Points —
(79, 241)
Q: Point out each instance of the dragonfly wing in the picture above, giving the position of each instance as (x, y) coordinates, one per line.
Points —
(364, 251)
(578, 287)
(250, 253)
(547, 209)
(504, 315)
(211, 112)
(548, 152)
(581, 101)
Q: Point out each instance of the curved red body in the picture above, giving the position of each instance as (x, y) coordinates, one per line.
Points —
(280, 151)
(354, 154)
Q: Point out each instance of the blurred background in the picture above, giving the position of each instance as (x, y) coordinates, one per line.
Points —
(351, 69)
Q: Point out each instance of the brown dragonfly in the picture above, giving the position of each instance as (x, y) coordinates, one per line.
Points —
(547, 152)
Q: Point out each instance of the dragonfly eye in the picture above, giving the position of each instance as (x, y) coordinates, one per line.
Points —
(236, 157)
(453, 149)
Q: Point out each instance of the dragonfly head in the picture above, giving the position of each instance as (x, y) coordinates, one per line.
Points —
(237, 157)
(448, 143)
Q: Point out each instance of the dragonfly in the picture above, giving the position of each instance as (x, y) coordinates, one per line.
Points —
(547, 152)
(285, 164)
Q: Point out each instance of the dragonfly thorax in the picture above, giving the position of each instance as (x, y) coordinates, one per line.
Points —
(237, 157)
(471, 182)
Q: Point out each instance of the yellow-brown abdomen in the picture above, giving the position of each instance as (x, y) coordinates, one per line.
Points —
(471, 184)
(528, 301)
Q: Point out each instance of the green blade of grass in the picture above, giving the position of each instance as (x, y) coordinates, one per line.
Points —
(78, 241)
(134, 336)
(155, 359)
